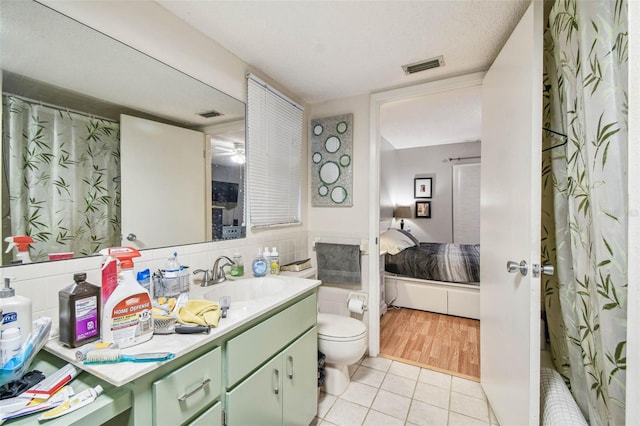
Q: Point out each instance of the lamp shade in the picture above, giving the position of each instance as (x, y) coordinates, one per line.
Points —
(402, 212)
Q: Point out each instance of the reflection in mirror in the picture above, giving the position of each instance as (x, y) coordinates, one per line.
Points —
(64, 89)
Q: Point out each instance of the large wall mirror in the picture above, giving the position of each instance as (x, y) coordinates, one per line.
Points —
(104, 146)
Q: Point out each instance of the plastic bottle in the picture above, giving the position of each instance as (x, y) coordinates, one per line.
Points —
(275, 262)
(259, 265)
(16, 310)
(21, 243)
(237, 270)
(80, 309)
(172, 268)
(10, 344)
(127, 318)
(267, 257)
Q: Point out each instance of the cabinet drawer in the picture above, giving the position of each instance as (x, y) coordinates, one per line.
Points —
(211, 417)
(251, 348)
(187, 390)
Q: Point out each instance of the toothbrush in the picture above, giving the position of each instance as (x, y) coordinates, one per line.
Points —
(111, 356)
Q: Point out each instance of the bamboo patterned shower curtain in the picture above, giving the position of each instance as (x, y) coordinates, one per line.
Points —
(585, 201)
(63, 170)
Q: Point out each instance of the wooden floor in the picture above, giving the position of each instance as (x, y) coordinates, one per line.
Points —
(439, 342)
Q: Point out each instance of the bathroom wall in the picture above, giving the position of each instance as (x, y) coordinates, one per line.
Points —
(151, 29)
(345, 225)
(424, 162)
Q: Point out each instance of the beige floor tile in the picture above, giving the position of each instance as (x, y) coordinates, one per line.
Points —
(399, 385)
(467, 387)
(375, 418)
(324, 404)
(345, 413)
(404, 370)
(456, 419)
(426, 414)
(369, 376)
(376, 363)
(433, 395)
(360, 393)
(392, 404)
(435, 378)
(469, 406)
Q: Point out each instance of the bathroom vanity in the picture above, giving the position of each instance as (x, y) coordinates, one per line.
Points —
(259, 366)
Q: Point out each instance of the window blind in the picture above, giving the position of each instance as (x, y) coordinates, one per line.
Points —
(274, 154)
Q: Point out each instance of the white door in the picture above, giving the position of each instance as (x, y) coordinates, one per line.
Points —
(163, 171)
(510, 224)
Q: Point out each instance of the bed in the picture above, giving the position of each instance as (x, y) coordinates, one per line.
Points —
(435, 277)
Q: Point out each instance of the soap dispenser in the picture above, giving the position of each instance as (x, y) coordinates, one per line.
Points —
(16, 311)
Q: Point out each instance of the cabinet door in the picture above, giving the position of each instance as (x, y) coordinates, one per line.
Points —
(211, 417)
(257, 401)
(300, 377)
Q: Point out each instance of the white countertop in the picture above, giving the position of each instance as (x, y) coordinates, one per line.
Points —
(240, 313)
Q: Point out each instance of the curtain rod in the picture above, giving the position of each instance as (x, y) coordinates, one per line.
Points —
(463, 158)
(273, 90)
(57, 107)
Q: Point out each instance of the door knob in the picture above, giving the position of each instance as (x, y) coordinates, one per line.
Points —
(545, 269)
(517, 267)
(132, 237)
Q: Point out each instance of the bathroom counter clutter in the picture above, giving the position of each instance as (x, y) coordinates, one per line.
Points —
(250, 299)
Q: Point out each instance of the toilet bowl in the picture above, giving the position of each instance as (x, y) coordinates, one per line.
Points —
(343, 340)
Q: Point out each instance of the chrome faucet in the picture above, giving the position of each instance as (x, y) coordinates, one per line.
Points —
(216, 275)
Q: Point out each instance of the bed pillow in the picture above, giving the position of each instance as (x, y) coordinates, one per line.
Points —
(411, 237)
(393, 241)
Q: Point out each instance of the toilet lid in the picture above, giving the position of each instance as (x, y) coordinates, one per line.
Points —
(339, 327)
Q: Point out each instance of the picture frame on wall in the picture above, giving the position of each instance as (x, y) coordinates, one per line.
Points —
(423, 209)
(422, 188)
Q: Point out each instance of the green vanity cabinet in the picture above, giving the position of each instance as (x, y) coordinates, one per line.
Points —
(282, 391)
(184, 392)
(272, 369)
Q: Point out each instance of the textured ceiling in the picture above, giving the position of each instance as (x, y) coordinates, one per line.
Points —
(324, 50)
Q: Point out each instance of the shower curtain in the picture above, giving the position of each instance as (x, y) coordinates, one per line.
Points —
(585, 201)
(63, 173)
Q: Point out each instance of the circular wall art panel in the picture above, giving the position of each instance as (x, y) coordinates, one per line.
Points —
(338, 195)
(332, 161)
(332, 144)
(329, 172)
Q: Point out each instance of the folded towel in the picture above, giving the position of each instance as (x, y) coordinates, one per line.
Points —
(200, 312)
(338, 263)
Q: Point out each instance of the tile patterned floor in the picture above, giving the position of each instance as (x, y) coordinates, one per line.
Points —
(387, 393)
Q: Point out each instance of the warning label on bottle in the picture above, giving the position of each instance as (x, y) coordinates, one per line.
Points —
(132, 320)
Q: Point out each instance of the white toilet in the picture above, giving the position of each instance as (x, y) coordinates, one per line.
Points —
(343, 340)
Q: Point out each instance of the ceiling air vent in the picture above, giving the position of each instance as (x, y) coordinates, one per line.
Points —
(210, 114)
(423, 65)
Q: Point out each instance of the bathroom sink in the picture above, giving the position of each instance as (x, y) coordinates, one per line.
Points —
(246, 289)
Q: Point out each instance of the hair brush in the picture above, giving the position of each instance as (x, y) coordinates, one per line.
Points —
(111, 356)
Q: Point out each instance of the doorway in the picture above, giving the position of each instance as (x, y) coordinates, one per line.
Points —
(378, 206)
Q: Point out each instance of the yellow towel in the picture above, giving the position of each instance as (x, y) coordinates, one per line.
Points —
(201, 312)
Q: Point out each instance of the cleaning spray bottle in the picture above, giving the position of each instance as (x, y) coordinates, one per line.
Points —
(127, 318)
(21, 243)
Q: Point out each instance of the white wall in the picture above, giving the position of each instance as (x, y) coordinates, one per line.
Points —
(387, 171)
(424, 162)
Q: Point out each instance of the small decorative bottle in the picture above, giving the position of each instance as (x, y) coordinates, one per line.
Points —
(237, 270)
(275, 262)
(259, 265)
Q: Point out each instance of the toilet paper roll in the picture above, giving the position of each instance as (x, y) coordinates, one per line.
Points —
(356, 306)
